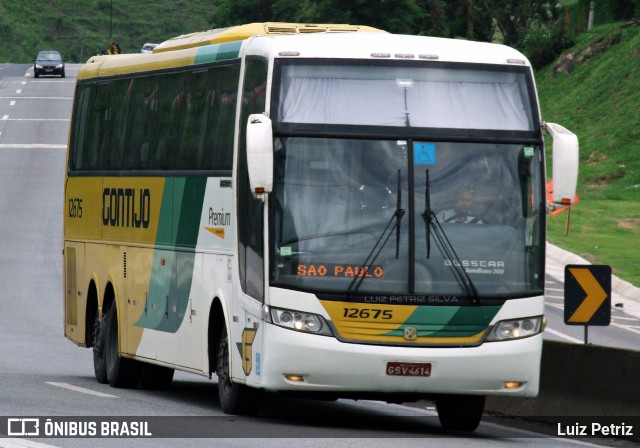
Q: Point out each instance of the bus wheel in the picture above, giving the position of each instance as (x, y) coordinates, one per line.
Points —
(235, 399)
(156, 377)
(460, 412)
(121, 372)
(99, 356)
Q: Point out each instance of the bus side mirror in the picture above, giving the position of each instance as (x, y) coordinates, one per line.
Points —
(565, 163)
(260, 155)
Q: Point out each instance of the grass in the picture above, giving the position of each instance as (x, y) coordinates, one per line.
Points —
(603, 232)
(599, 100)
(81, 28)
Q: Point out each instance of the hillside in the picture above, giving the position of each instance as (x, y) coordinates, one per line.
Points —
(80, 28)
(594, 90)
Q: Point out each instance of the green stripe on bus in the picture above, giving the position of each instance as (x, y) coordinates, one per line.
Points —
(190, 211)
(448, 321)
(172, 272)
(218, 52)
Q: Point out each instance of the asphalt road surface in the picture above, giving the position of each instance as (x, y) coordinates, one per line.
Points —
(43, 375)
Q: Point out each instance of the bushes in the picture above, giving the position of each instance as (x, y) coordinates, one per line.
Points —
(542, 44)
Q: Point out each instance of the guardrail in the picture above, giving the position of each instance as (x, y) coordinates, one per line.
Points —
(580, 380)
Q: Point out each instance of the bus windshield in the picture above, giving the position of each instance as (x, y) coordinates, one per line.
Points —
(349, 216)
(424, 95)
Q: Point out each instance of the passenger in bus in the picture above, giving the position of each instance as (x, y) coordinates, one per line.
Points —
(461, 211)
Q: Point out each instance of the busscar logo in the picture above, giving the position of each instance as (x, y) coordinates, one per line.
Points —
(23, 427)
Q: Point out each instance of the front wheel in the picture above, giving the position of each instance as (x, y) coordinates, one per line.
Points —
(460, 412)
(236, 399)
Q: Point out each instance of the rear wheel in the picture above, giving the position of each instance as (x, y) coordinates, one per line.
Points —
(121, 372)
(99, 355)
(460, 412)
(235, 399)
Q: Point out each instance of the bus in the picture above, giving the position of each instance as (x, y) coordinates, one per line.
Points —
(330, 211)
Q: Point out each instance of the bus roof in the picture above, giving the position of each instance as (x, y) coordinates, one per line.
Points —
(242, 32)
(365, 43)
(384, 46)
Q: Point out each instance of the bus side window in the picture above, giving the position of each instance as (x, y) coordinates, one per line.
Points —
(100, 132)
(82, 115)
(250, 211)
(172, 122)
(195, 119)
(220, 127)
(121, 100)
(140, 138)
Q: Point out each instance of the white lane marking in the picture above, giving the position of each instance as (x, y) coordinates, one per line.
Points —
(555, 305)
(12, 103)
(626, 327)
(68, 98)
(19, 91)
(23, 443)
(554, 289)
(24, 83)
(564, 336)
(635, 319)
(81, 389)
(6, 118)
(32, 146)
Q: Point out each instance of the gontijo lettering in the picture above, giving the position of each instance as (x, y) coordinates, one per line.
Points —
(124, 207)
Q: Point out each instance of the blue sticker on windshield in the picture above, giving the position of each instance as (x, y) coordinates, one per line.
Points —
(424, 153)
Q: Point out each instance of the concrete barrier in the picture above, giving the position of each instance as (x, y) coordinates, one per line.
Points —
(580, 380)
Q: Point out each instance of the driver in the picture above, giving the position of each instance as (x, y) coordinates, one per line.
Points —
(461, 212)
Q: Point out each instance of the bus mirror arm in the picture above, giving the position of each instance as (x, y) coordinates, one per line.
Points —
(565, 163)
(259, 140)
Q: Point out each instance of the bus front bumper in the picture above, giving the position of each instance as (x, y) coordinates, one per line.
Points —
(293, 361)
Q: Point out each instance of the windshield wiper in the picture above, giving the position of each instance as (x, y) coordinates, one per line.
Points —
(445, 246)
(379, 245)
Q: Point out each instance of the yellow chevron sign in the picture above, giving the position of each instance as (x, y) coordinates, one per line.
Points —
(587, 295)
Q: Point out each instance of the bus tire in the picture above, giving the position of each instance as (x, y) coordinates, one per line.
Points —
(99, 356)
(121, 372)
(460, 412)
(235, 399)
(156, 377)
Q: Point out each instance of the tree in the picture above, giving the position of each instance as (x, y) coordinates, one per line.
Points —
(401, 16)
(514, 17)
(457, 18)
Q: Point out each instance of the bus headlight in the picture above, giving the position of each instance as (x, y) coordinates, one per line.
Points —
(299, 321)
(515, 329)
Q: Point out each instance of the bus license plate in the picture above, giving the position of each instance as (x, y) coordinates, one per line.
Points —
(409, 368)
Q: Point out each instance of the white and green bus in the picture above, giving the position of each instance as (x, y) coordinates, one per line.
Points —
(327, 210)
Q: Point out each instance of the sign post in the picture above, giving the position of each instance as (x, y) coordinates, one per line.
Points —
(587, 296)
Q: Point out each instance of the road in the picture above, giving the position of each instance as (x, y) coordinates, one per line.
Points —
(43, 374)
